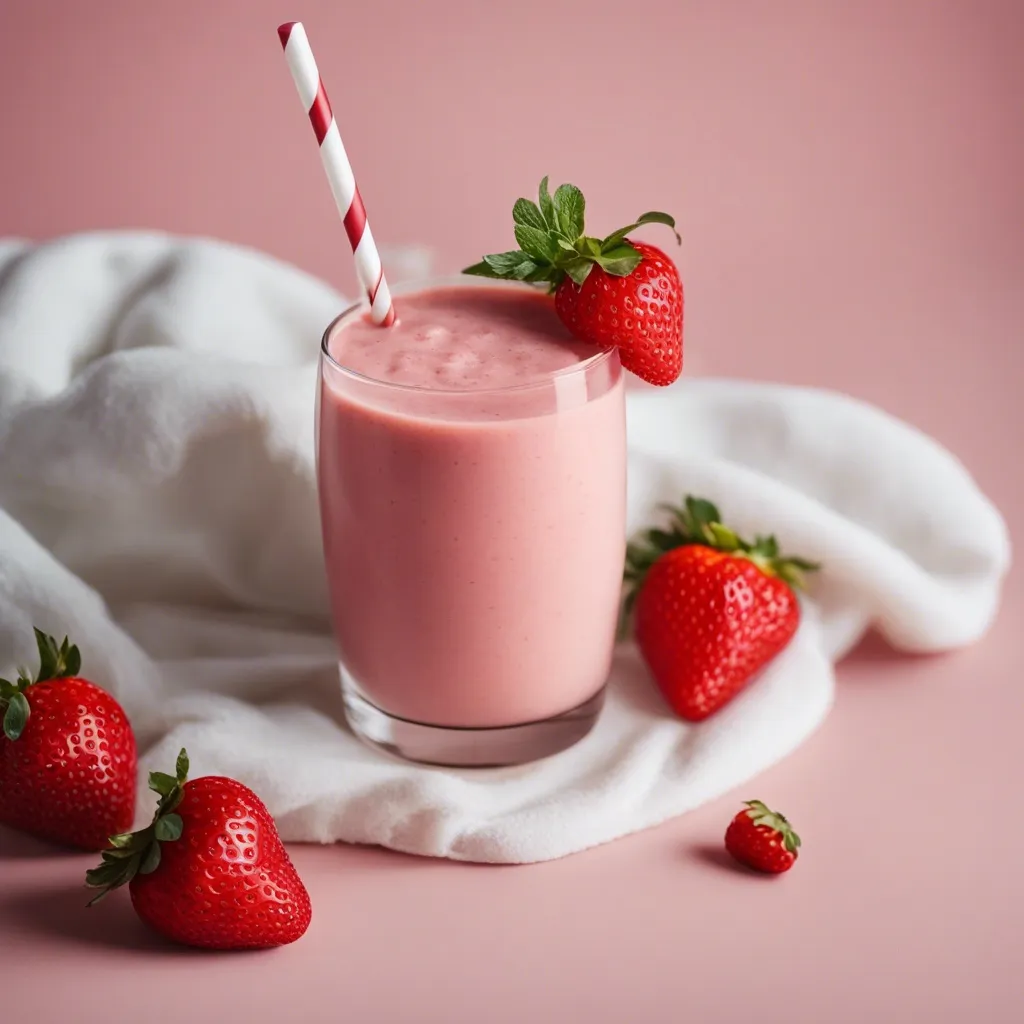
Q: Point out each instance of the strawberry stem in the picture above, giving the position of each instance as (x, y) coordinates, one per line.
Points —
(138, 853)
(553, 246)
(56, 661)
(698, 521)
(761, 814)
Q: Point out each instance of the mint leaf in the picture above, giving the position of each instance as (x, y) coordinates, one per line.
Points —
(524, 270)
(503, 264)
(536, 243)
(168, 828)
(547, 206)
(483, 269)
(579, 269)
(16, 716)
(506, 261)
(569, 208)
(528, 213)
(181, 765)
(7, 689)
(542, 273)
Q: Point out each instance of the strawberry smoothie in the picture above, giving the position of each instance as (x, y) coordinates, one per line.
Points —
(471, 464)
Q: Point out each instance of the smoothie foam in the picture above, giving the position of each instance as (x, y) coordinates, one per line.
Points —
(462, 339)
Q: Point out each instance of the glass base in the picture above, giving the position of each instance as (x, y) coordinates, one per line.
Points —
(455, 747)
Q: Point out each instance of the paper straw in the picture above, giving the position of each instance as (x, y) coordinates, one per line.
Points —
(339, 171)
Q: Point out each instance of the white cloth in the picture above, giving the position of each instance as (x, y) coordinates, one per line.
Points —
(157, 502)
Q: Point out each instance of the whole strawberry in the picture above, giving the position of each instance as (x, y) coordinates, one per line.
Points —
(640, 314)
(67, 753)
(611, 292)
(710, 610)
(210, 870)
(762, 839)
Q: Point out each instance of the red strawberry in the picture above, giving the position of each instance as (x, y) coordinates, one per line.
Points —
(67, 753)
(610, 292)
(211, 870)
(710, 610)
(762, 839)
(640, 314)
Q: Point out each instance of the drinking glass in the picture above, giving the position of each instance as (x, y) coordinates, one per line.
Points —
(474, 545)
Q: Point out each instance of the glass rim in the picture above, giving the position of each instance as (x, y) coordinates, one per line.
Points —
(411, 287)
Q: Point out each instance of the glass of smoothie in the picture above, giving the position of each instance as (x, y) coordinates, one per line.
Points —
(471, 462)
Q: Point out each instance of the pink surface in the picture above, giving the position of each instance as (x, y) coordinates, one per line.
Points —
(847, 179)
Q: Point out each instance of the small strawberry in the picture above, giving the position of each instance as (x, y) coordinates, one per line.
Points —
(710, 610)
(67, 753)
(210, 870)
(762, 839)
(611, 292)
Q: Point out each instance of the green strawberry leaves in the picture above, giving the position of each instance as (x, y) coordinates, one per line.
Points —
(162, 783)
(168, 828)
(619, 260)
(547, 204)
(698, 521)
(552, 245)
(651, 217)
(138, 853)
(16, 714)
(529, 214)
(537, 243)
(570, 207)
(761, 814)
(56, 661)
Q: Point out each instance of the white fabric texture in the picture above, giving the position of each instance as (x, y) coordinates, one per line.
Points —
(158, 504)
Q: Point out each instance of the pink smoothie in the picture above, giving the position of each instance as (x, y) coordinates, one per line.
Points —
(474, 512)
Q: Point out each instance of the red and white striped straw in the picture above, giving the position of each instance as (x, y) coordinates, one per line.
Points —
(339, 171)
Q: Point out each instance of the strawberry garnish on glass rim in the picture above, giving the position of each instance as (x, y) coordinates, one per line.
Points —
(610, 292)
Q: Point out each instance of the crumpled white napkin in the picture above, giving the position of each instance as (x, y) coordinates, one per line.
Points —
(157, 502)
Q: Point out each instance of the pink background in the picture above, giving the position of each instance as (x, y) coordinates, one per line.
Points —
(848, 183)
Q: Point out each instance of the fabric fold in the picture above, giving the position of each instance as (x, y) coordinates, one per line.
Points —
(158, 503)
